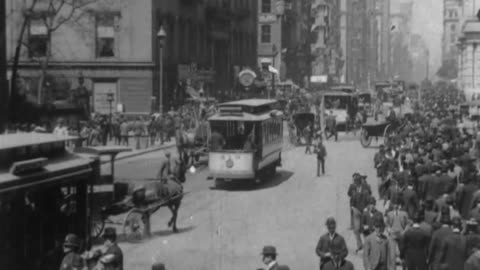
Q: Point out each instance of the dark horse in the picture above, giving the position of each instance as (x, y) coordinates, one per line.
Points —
(172, 189)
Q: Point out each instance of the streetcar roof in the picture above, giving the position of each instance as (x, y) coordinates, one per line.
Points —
(250, 102)
(342, 94)
(103, 150)
(248, 117)
(15, 140)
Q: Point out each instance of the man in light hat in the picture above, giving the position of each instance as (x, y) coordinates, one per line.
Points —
(72, 259)
(112, 258)
(329, 241)
(269, 258)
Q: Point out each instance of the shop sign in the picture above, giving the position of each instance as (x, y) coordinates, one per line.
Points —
(100, 97)
(267, 18)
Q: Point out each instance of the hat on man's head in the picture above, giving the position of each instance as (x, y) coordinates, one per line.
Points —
(330, 221)
(456, 222)
(269, 250)
(379, 222)
(71, 241)
(158, 266)
(355, 175)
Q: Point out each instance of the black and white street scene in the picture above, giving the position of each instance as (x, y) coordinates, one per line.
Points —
(240, 134)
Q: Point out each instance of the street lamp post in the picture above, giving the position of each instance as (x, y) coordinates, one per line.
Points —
(110, 98)
(274, 53)
(161, 36)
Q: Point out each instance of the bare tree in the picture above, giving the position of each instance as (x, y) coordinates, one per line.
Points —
(58, 13)
(16, 58)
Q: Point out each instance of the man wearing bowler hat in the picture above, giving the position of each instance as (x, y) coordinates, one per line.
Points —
(72, 259)
(112, 259)
(269, 258)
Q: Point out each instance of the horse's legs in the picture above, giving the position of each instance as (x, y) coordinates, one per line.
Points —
(170, 222)
(175, 206)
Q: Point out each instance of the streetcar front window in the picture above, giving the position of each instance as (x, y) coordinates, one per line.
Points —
(336, 102)
(233, 134)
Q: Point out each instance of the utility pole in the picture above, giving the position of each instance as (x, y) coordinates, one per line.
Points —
(4, 89)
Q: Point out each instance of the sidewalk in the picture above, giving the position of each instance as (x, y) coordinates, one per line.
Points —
(138, 152)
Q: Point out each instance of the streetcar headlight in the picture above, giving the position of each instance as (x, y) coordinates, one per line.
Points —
(192, 169)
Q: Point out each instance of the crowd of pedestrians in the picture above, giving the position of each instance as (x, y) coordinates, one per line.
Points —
(430, 192)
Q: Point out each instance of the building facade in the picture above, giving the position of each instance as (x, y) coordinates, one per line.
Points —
(269, 39)
(451, 28)
(361, 44)
(469, 59)
(210, 41)
(326, 43)
(114, 46)
(296, 41)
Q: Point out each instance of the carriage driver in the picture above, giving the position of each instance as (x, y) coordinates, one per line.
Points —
(166, 168)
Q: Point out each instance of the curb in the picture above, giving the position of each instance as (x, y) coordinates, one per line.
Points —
(141, 152)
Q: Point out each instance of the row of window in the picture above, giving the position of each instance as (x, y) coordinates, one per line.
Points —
(451, 13)
(272, 131)
(104, 37)
(266, 33)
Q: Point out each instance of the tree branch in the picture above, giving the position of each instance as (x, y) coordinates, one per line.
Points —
(74, 6)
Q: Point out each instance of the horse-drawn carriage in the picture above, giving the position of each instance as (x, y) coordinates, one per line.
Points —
(343, 105)
(375, 129)
(301, 121)
(131, 203)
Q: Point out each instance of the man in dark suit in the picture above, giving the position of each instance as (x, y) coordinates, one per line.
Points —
(429, 214)
(113, 256)
(269, 258)
(330, 241)
(434, 187)
(337, 262)
(415, 244)
(369, 215)
(465, 196)
(410, 200)
(438, 237)
(453, 253)
(359, 194)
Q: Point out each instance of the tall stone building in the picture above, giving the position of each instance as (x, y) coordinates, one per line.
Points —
(452, 13)
(327, 52)
(114, 45)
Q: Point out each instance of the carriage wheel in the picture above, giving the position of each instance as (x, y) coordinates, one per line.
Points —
(97, 224)
(134, 225)
(365, 138)
(386, 134)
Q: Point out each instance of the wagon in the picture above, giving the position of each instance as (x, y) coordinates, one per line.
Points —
(375, 129)
(301, 121)
(136, 210)
(110, 197)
